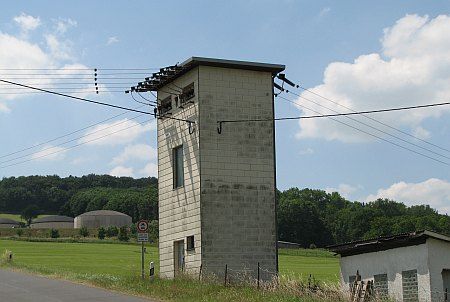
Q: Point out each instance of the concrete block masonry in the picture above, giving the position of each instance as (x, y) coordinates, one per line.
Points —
(227, 202)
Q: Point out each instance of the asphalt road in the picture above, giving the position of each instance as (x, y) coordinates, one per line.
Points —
(21, 287)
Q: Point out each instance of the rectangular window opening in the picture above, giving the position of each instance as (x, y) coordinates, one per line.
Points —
(187, 93)
(410, 286)
(165, 106)
(381, 285)
(190, 243)
(178, 167)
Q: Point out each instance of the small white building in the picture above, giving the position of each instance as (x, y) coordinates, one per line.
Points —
(406, 267)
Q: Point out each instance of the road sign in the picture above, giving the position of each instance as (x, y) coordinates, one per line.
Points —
(142, 237)
(142, 226)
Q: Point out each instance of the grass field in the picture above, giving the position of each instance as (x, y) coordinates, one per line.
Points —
(15, 217)
(117, 267)
(124, 259)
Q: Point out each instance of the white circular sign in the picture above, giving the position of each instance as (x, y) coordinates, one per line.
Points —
(142, 226)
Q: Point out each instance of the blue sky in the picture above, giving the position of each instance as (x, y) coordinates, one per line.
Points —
(365, 55)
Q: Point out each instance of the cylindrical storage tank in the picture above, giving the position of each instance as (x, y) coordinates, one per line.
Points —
(52, 222)
(102, 218)
(6, 223)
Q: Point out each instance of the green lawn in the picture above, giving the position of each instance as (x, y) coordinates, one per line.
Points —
(124, 259)
(16, 216)
(117, 267)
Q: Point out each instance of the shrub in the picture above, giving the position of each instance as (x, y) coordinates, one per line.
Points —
(101, 233)
(7, 257)
(84, 232)
(19, 232)
(54, 233)
(133, 229)
(112, 231)
(123, 234)
(153, 230)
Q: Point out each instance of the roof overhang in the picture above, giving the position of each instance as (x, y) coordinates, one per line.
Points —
(385, 243)
(170, 73)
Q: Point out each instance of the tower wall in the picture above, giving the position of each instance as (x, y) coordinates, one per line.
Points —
(228, 199)
(179, 209)
(237, 172)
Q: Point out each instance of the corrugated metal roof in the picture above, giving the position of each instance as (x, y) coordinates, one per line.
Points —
(52, 218)
(385, 243)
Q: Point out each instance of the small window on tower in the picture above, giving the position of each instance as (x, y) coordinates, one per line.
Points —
(190, 243)
(187, 94)
(178, 167)
(165, 105)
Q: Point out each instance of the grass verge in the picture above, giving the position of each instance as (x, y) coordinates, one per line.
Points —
(186, 289)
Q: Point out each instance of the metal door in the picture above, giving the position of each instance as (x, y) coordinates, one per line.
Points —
(179, 256)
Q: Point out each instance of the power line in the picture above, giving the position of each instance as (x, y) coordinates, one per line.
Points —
(72, 140)
(96, 102)
(66, 135)
(333, 115)
(87, 68)
(375, 120)
(330, 116)
(74, 97)
(71, 147)
(370, 126)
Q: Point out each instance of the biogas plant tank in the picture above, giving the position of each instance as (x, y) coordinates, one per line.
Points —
(102, 218)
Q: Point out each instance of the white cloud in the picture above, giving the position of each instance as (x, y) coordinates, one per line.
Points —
(50, 153)
(18, 52)
(133, 152)
(324, 11)
(59, 50)
(413, 68)
(307, 151)
(116, 133)
(122, 171)
(112, 40)
(421, 132)
(435, 192)
(344, 189)
(150, 169)
(27, 23)
(62, 25)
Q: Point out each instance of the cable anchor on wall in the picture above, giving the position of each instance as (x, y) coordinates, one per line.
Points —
(191, 127)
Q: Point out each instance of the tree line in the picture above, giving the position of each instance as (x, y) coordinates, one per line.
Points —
(305, 216)
(73, 195)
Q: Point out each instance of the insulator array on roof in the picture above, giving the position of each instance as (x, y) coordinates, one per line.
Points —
(158, 79)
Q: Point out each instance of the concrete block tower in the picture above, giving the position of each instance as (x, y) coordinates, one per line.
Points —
(217, 202)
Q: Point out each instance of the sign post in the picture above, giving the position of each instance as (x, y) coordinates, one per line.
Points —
(142, 236)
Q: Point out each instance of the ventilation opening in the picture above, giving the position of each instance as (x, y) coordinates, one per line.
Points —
(187, 94)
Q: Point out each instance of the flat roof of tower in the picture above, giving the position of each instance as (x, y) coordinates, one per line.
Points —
(170, 73)
(196, 61)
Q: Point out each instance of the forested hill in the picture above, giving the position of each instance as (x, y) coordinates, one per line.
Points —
(309, 217)
(75, 195)
(316, 217)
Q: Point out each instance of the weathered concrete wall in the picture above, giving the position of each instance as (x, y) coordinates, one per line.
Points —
(179, 209)
(96, 221)
(228, 200)
(391, 262)
(439, 259)
(52, 225)
(237, 172)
